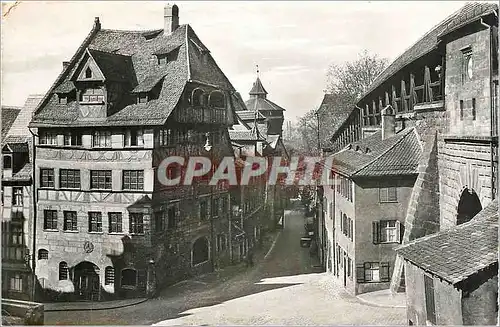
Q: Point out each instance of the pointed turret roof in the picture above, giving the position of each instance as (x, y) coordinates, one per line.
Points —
(258, 89)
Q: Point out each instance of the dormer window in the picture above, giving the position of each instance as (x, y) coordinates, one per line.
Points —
(162, 59)
(134, 137)
(7, 162)
(88, 73)
(92, 96)
(142, 98)
(63, 98)
(48, 138)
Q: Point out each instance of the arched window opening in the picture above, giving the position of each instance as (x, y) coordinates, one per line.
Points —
(7, 162)
(200, 250)
(468, 206)
(43, 254)
(217, 99)
(109, 275)
(197, 97)
(88, 73)
(63, 271)
(129, 278)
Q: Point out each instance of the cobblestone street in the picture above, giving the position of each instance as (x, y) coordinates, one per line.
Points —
(283, 288)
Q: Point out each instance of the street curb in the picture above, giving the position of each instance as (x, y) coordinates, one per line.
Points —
(139, 301)
(272, 245)
(380, 305)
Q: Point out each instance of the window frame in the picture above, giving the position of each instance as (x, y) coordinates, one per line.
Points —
(129, 286)
(63, 270)
(43, 254)
(72, 138)
(95, 221)
(47, 178)
(18, 281)
(64, 179)
(102, 139)
(109, 275)
(430, 301)
(133, 180)
(386, 198)
(17, 197)
(115, 226)
(50, 219)
(96, 174)
(136, 223)
(72, 218)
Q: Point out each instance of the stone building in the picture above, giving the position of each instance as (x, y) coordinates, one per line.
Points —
(365, 207)
(442, 292)
(105, 225)
(17, 201)
(273, 114)
(446, 86)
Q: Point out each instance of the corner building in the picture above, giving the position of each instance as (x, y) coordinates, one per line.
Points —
(105, 226)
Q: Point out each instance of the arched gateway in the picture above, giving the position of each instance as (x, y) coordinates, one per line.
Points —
(86, 281)
(469, 205)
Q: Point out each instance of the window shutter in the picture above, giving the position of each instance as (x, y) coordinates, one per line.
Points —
(376, 232)
(360, 273)
(400, 227)
(392, 194)
(351, 229)
(384, 272)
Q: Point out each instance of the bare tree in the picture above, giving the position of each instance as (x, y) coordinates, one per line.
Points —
(351, 79)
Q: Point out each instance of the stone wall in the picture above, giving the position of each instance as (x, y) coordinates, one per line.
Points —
(447, 299)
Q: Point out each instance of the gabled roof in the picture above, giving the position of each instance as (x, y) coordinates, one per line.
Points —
(65, 87)
(193, 64)
(250, 115)
(248, 135)
(335, 111)
(16, 144)
(258, 88)
(458, 253)
(262, 104)
(9, 115)
(148, 83)
(373, 157)
(115, 67)
(20, 125)
(430, 40)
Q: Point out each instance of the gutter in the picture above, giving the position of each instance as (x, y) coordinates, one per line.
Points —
(34, 203)
(492, 123)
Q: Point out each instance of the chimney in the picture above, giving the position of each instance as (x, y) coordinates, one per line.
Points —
(171, 16)
(65, 64)
(388, 122)
(97, 24)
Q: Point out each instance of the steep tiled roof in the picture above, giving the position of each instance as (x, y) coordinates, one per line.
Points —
(262, 104)
(248, 135)
(115, 67)
(334, 111)
(114, 50)
(249, 115)
(20, 125)
(372, 156)
(148, 83)
(258, 88)
(429, 41)
(459, 252)
(17, 143)
(65, 87)
(9, 115)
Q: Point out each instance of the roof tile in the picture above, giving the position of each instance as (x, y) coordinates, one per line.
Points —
(459, 252)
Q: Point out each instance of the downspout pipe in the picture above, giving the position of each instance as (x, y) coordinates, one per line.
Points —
(492, 116)
(34, 203)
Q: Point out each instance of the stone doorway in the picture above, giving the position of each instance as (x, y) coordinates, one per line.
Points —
(469, 205)
(86, 281)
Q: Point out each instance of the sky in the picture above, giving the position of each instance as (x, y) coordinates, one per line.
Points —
(292, 42)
